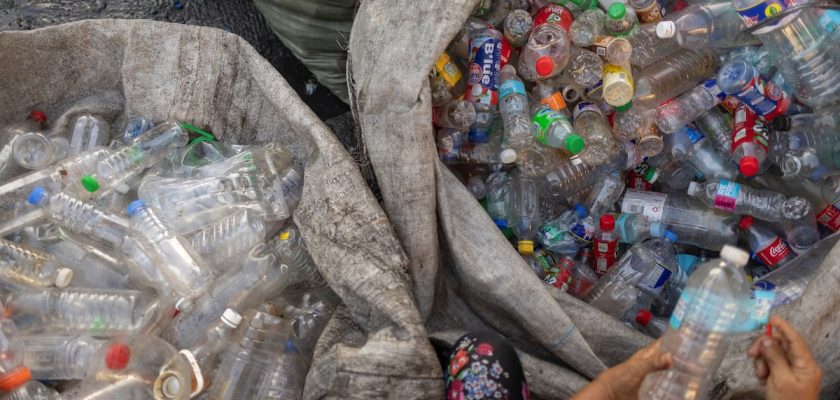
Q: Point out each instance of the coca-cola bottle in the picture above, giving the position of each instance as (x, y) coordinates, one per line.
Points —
(766, 246)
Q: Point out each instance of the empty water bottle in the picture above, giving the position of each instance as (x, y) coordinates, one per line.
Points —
(713, 24)
(89, 132)
(590, 123)
(674, 75)
(569, 232)
(736, 198)
(717, 126)
(647, 11)
(9, 167)
(291, 250)
(676, 113)
(619, 21)
(615, 50)
(583, 276)
(602, 198)
(228, 238)
(525, 211)
(741, 79)
(635, 228)
(584, 68)
(457, 114)
(286, 377)
(24, 265)
(587, 26)
(58, 356)
(649, 48)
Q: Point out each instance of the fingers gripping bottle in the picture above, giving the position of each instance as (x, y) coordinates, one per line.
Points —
(483, 79)
(749, 142)
(701, 328)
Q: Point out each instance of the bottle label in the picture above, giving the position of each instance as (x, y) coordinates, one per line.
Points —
(680, 309)
(755, 14)
(555, 101)
(478, 136)
(595, 88)
(650, 204)
(601, 43)
(650, 14)
(583, 107)
(554, 14)
(583, 231)
(694, 135)
(656, 279)
(774, 252)
(829, 217)
(636, 180)
(730, 103)
(764, 97)
(727, 195)
(559, 277)
(830, 19)
(747, 128)
(511, 86)
(546, 261)
(446, 69)
(713, 89)
(763, 302)
(483, 81)
(617, 75)
(621, 226)
(543, 119)
(634, 156)
(605, 255)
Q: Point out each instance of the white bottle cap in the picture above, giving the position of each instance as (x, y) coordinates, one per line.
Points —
(63, 277)
(692, 188)
(734, 255)
(231, 318)
(507, 156)
(666, 29)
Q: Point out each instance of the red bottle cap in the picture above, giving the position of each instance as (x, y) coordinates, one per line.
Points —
(14, 378)
(745, 222)
(117, 356)
(644, 317)
(749, 166)
(607, 222)
(38, 116)
(545, 65)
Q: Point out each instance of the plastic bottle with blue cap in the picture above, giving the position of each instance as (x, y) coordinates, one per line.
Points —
(633, 228)
(567, 233)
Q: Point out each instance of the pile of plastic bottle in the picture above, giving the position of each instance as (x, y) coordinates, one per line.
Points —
(619, 145)
(136, 263)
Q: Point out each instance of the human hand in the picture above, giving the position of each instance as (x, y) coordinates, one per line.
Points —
(784, 364)
(622, 381)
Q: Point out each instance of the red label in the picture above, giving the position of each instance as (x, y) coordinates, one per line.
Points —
(747, 127)
(506, 49)
(555, 14)
(636, 180)
(775, 252)
(604, 255)
(730, 103)
(829, 217)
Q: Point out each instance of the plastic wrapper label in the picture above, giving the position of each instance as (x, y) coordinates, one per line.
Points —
(446, 69)
(510, 87)
(650, 204)
(656, 279)
(713, 89)
(554, 14)
(774, 252)
(747, 128)
(727, 195)
(679, 311)
(544, 118)
(482, 85)
(761, 11)
(605, 255)
(829, 217)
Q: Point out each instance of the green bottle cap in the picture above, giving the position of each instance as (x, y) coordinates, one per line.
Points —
(650, 175)
(90, 183)
(624, 107)
(574, 143)
(617, 10)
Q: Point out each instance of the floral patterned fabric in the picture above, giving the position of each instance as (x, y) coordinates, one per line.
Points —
(483, 366)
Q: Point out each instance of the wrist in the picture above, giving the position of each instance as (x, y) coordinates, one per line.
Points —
(605, 389)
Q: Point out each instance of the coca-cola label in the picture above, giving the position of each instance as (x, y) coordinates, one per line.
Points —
(555, 14)
(651, 204)
(747, 127)
(483, 81)
(727, 195)
(829, 217)
(771, 254)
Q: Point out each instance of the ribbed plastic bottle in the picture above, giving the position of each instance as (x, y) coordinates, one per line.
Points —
(734, 197)
(704, 323)
(186, 272)
(602, 198)
(31, 267)
(457, 114)
(590, 123)
(672, 76)
(34, 150)
(32, 390)
(618, 85)
(647, 11)
(245, 365)
(291, 250)
(768, 247)
(517, 27)
(680, 111)
(525, 211)
(634, 228)
(80, 216)
(587, 26)
(619, 20)
(498, 198)
(749, 142)
(648, 48)
(513, 106)
(81, 311)
(286, 378)
(58, 357)
(228, 238)
(574, 175)
(89, 132)
(717, 126)
(712, 24)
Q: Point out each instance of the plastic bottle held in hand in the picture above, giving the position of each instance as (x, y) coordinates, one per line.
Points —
(680, 111)
(457, 114)
(31, 267)
(483, 79)
(89, 132)
(184, 269)
(587, 26)
(704, 323)
(583, 276)
(58, 357)
(553, 129)
(615, 50)
(590, 123)
(648, 48)
(569, 232)
(700, 26)
(742, 80)
(619, 20)
(618, 84)
(717, 127)
(749, 142)
(545, 54)
(606, 245)
(526, 211)
(766, 246)
(517, 27)
(733, 197)
(634, 228)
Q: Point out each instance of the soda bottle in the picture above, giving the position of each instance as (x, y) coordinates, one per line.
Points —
(617, 84)
(651, 325)
(587, 26)
(648, 48)
(456, 114)
(615, 50)
(559, 275)
(606, 244)
(680, 111)
(517, 27)
(700, 26)
(89, 132)
(736, 198)
(635, 228)
(483, 79)
(569, 232)
(618, 21)
(717, 126)
(32, 267)
(560, 15)
(766, 246)
(553, 129)
(647, 11)
(590, 123)
(584, 67)
(58, 356)
(749, 142)
(602, 198)
(742, 80)
(673, 76)
(704, 323)
(546, 53)
(525, 211)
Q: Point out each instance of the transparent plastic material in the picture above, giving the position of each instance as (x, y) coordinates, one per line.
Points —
(9, 165)
(704, 323)
(513, 106)
(648, 48)
(228, 238)
(620, 19)
(145, 151)
(602, 198)
(545, 54)
(587, 26)
(590, 123)
(291, 251)
(286, 378)
(89, 132)
(34, 151)
(569, 232)
(59, 356)
(717, 127)
(584, 68)
(517, 27)
(525, 211)
(734, 197)
(713, 24)
(634, 228)
(675, 114)
(457, 114)
(80, 216)
(674, 75)
(31, 267)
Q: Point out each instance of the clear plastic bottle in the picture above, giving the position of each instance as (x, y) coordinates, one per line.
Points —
(482, 88)
(134, 127)
(540, 262)
(31, 390)
(9, 168)
(605, 244)
(675, 174)
(291, 250)
(680, 111)
(33, 150)
(80, 216)
(734, 197)
(228, 238)
(742, 80)
(805, 51)
(525, 211)
(546, 53)
(447, 80)
(648, 48)
(768, 247)
(31, 267)
(602, 198)
(699, 26)
(634, 228)
(630, 121)
(587, 26)
(618, 21)
(703, 325)
(81, 311)
(618, 84)
(812, 163)
(13, 372)
(498, 198)
(569, 232)
(583, 276)
(245, 365)
(615, 50)
(783, 143)
(285, 379)
(826, 119)
(574, 175)
(549, 95)
(517, 27)
(710, 163)
(717, 126)
(89, 132)
(187, 273)
(749, 142)
(800, 224)
(513, 106)
(679, 146)
(457, 114)
(590, 123)
(650, 142)
(553, 129)
(647, 11)
(58, 357)
(584, 67)
(672, 76)
(635, 280)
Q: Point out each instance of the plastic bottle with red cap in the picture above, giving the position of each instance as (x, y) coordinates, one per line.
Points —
(546, 53)
(605, 245)
(766, 246)
(583, 275)
(12, 371)
(653, 326)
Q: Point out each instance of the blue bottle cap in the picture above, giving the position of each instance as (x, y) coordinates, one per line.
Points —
(37, 195)
(670, 236)
(501, 223)
(657, 229)
(581, 211)
(135, 206)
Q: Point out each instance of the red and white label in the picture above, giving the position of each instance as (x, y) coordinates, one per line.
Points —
(636, 181)
(775, 252)
(829, 217)
(605, 255)
(555, 14)
(747, 127)
(651, 204)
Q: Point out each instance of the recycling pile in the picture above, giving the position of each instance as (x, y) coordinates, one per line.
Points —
(137, 263)
(619, 144)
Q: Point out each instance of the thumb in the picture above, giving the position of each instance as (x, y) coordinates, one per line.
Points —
(776, 359)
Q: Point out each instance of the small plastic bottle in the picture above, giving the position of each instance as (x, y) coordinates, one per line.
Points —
(680, 111)
(58, 357)
(89, 132)
(587, 26)
(456, 114)
(736, 198)
(569, 232)
(553, 129)
(749, 142)
(620, 22)
(32, 267)
(606, 245)
(228, 238)
(546, 53)
(517, 27)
